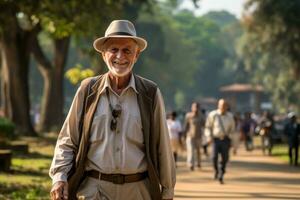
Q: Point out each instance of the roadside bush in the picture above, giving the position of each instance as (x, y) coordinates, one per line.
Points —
(7, 128)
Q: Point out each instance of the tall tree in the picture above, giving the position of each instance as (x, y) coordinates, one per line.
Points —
(271, 46)
(15, 52)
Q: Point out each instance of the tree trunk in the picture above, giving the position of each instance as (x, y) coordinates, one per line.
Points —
(52, 102)
(14, 81)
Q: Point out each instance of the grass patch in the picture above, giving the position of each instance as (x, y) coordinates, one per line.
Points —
(281, 151)
(278, 150)
(28, 178)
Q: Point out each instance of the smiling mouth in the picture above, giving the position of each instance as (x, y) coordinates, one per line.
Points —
(121, 64)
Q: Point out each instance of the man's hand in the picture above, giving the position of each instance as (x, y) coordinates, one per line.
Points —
(59, 191)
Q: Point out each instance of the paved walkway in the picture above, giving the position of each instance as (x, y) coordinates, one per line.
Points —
(249, 176)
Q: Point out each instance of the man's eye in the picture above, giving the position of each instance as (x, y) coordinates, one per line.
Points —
(113, 50)
(127, 51)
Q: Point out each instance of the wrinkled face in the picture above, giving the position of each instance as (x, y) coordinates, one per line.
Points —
(120, 54)
(222, 106)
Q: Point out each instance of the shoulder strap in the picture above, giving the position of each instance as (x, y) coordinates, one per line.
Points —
(222, 125)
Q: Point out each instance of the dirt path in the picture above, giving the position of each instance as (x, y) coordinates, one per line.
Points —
(249, 176)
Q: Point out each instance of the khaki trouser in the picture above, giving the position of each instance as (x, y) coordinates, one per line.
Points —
(94, 189)
(193, 146)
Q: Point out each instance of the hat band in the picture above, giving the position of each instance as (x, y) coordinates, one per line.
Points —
(119, 33)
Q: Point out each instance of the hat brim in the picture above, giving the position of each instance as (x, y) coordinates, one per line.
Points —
(99, 42)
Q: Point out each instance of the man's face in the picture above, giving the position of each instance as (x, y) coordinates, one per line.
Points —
(195, 107)
(222, 106)
(120, 54)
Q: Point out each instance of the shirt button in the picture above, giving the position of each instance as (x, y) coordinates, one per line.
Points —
(118, 149)
(118, 131)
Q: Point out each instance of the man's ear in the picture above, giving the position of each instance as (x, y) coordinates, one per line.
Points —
(103, 55)
(137, 55)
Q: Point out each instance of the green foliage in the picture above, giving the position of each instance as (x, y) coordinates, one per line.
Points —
(206, 36)
(6, 128)
(65, 18)
(281, 151)
(271, 49)
(276, 26)
(30, 194)
(186, 54)
(167, 57)
(221, 18)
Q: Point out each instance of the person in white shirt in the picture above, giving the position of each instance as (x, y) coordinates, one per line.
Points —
(220, 124)
(175, 129)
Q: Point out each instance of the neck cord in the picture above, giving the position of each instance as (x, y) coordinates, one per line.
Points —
(107, 94)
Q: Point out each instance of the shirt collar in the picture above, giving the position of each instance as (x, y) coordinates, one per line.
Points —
(219, 112)
(107, 84)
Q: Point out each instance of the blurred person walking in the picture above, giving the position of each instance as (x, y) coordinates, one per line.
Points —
(193, 131)
(265, 131)
(292, 131)
(220, 124)
(247, 130)
(175, 130)
(236, 136)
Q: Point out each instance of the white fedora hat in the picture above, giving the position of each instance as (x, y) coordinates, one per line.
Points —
(120, 29)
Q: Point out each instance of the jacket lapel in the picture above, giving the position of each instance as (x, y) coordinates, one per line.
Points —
(145, 104)
(91, 105)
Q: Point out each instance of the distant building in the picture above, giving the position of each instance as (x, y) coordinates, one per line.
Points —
(244, 97)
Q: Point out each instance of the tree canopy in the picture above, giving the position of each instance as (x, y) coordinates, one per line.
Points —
(271, 48)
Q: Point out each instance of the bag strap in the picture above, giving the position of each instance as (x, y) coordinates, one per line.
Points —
(222, 125)
(211, 128)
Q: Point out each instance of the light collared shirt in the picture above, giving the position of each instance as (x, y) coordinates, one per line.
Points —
(120, 151)
(213, 124)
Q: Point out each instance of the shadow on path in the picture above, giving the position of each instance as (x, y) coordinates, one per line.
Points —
(263, 166)
(240, 195)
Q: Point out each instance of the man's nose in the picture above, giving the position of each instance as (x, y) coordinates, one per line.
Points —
(119, 54)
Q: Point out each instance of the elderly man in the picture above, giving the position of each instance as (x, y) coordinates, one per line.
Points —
(114, 143)
(220, 124)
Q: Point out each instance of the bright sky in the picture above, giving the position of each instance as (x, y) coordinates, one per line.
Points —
(233, 6)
